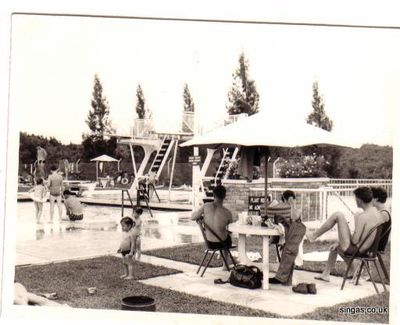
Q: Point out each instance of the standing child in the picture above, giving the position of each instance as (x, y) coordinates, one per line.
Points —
(127, 247)
(137, 230)
(39, 197)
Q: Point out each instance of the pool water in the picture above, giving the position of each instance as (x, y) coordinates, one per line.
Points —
(98, 233)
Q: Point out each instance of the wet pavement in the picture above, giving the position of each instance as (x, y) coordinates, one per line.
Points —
(97, 234)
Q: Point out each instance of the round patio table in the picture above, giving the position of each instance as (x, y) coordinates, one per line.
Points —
(264, 232)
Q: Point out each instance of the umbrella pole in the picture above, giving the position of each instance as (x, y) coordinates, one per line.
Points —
(266, 179)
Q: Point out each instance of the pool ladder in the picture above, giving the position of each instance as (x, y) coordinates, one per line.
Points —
(140, 195)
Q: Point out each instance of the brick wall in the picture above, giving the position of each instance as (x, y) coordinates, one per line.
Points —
(238, 191)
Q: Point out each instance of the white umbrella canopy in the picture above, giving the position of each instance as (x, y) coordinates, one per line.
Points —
(270, 131)
(104, 158)
(100, 160)
(266, 131)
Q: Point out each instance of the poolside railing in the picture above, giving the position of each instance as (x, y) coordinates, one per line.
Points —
(344, 184)
(317, 204)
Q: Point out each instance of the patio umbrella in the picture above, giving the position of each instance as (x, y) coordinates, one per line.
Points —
(101, 159)
(269, 130)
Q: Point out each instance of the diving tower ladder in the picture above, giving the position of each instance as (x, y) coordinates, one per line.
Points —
(162, 156)
(221, 173)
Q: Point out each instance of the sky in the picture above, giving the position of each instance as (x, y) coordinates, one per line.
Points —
(54, 60)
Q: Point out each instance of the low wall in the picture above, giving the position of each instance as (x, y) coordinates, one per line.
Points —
(238, 191)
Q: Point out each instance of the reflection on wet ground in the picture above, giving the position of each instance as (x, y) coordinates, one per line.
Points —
(98, 233)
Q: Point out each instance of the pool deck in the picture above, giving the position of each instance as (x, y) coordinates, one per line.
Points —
(63, 242)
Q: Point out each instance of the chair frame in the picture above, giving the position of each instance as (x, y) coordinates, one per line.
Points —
(204, 226)
(371, 255)
(381, 248)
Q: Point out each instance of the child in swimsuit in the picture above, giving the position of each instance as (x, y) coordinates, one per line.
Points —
(127, 247)
(73, 206)
(39, 192)
(137, 230)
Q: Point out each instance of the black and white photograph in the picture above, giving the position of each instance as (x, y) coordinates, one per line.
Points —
(178, 166)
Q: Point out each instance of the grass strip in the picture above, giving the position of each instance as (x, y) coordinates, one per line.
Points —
(71, 279)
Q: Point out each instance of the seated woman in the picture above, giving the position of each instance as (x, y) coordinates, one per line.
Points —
(349, 243)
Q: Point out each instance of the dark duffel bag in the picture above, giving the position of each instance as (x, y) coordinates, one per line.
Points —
(244, 276)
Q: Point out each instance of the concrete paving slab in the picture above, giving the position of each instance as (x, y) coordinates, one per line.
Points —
(279, 299)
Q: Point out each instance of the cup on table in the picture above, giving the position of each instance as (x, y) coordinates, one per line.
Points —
(243, 218)
(256, 221)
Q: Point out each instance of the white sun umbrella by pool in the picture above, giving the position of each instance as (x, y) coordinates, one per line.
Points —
(101, 159)
(269, 130)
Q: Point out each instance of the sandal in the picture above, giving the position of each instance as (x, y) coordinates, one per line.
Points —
(219, 281)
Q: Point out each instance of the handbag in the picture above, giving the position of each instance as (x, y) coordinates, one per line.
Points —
(244, 276)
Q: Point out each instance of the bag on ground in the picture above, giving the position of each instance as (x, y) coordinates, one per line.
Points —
(244, 276)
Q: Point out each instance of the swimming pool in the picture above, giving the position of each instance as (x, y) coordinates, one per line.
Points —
(98, 233)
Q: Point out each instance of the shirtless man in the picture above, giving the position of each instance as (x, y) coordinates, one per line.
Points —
(55, 186)
(348, 243)
(217, 217)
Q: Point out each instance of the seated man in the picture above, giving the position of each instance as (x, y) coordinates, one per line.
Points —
(290, 217)
(349, 243)
(217, 217)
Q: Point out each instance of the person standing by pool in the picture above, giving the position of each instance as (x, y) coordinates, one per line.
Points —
(41, 156)
(39, 195)
(55, 185)
(128, 247)
(137, 231)
(217, 217)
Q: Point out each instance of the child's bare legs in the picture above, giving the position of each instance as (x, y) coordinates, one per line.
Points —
(138, 248)
(39, 211)
(125, 264)
(36, 211)
(130, 260)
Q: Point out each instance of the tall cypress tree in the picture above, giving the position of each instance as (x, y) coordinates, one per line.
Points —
(188, 106)
(140, 104)
(97, 142)
(318, 116)
(243, 96)
(319, 119)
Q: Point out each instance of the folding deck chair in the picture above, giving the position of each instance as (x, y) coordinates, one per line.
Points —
(369, 256)
(203, 226)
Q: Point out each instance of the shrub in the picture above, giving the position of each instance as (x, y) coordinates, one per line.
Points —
(308, 166)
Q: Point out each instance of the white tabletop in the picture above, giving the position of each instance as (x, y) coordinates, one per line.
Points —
(252, 230)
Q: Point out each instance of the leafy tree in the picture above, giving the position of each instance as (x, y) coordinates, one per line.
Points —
(97, 141)
(243, 96)
(140, 105)
(318, 116)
